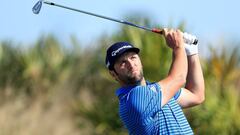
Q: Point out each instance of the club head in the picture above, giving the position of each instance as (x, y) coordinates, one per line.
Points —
(37, 7)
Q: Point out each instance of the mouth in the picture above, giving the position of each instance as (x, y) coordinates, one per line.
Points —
(133, 72)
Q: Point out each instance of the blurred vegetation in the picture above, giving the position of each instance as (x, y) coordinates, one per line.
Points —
(67, 90)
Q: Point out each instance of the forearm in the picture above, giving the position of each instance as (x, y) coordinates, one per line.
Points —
(179, 64)
(195, 80)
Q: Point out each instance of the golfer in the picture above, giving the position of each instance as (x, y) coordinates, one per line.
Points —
(156, 108)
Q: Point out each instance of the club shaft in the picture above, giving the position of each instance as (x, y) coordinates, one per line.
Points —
(100, 16)
(159, 31)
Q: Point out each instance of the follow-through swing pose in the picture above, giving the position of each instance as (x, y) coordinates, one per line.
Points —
(156, 108)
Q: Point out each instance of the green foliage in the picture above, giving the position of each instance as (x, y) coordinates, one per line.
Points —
(48, 67)
(11, 65)
(220, 112)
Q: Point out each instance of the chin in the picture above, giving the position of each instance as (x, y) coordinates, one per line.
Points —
(135, 81)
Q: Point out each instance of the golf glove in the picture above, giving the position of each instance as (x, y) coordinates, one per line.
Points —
(190, 49)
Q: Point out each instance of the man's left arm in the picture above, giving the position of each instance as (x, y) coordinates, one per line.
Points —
(193, 93)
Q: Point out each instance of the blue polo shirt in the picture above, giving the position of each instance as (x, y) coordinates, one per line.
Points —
(141, 112)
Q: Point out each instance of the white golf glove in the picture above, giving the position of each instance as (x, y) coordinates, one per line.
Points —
(190, 49)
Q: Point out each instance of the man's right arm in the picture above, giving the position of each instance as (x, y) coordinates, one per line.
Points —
(178, 71)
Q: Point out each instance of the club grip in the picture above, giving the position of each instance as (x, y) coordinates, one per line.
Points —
(188, 38)
(159, 31)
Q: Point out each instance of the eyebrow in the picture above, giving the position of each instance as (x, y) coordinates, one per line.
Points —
(125, 54)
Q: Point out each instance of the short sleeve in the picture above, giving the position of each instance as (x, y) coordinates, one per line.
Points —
(178, 94)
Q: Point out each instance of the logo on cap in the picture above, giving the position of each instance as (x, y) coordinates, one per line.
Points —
(114, 53)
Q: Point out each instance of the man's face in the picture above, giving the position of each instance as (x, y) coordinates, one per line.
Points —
(128, 69)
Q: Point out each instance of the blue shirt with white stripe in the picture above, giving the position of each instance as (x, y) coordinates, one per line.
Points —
(141, 112)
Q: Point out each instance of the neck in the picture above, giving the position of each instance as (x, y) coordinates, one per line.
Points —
(143, 82)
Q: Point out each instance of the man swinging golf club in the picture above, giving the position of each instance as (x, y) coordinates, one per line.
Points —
(156, 108)
(153, 108)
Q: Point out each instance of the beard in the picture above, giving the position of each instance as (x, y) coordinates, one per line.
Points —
(131, 79)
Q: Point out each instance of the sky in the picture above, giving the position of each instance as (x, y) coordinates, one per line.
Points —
(209, 20)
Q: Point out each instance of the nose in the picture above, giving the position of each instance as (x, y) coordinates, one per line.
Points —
(130, 64)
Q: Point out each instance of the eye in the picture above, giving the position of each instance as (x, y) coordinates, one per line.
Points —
(122, 63)
(133, 57)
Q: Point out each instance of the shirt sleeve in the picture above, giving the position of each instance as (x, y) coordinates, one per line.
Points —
(178, 94)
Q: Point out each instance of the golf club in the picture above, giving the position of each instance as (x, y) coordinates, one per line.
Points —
(189, 39)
